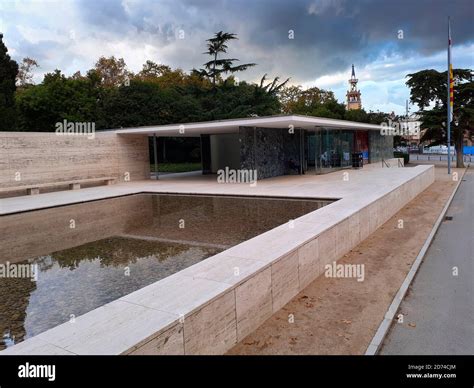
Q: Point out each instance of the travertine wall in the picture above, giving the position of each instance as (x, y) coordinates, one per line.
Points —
(33, 157)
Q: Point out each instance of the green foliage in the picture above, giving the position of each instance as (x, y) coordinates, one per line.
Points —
(242, 100)
(431, 87)
(58, 98)
(358, 115)
(377, 117)
(216, 67)
(149, 102)
(8, 73)
(311, 102)
(144, 103)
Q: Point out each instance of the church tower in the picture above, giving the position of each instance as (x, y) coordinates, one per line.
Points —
(353, 95)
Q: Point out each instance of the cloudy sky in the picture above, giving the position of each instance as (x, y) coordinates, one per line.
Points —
(384, 39)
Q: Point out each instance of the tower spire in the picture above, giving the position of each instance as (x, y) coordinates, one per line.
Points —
(353, 94)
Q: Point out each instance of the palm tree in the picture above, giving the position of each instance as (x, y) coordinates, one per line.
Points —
(215, 67)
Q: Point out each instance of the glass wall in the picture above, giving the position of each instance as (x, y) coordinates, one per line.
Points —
(329, 150)
(347, 147)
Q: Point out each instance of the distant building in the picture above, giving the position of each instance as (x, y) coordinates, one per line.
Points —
(353, 95)
(411, 128)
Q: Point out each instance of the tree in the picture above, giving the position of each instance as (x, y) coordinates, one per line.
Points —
(146, 103)
(358, 115)
(218, 66)
(78, 75)
(25, 72)
(429, 87)
(377, 117)
(112, 72)
(310, 102)
(152, 70)
(8, 72)
(234, 100)
(272, 88)
(56, 99)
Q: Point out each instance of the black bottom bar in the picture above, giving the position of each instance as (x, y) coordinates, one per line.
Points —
(355, 371)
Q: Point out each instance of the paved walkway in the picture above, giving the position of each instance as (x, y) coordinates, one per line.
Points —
(364, 185)
(438, 311)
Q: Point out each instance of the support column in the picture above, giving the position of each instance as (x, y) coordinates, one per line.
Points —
(155, 156)
(301, 151)
(206, 154)
(254, 148)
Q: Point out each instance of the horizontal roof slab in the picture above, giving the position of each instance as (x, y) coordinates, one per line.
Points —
(232, 125)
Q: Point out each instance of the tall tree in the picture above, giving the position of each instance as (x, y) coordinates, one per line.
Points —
(216, 46)
(429, 88)
(111, 71)
(310, 102)
(151, 70)
(25, 72)
(8, 72)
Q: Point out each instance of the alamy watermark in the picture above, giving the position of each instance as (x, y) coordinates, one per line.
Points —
(228, 175)
(335, 270)
(70, 128)
(19, 271)
(399, 128)
(28, 370)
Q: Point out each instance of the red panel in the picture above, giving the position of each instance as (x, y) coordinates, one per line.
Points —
(362, 143)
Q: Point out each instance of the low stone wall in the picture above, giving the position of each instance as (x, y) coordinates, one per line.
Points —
(33, 157)
(208, 307)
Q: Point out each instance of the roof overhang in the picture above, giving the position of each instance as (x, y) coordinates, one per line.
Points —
(233, 125)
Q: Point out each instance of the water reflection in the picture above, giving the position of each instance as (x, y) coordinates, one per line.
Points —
(116, 246)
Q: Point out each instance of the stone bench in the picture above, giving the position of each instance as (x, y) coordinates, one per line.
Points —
(73, 185)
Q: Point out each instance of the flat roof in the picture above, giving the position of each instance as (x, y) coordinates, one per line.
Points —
(232, 125)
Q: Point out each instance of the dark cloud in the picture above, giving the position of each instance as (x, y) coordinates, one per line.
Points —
(106, 14)
(329, 35)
